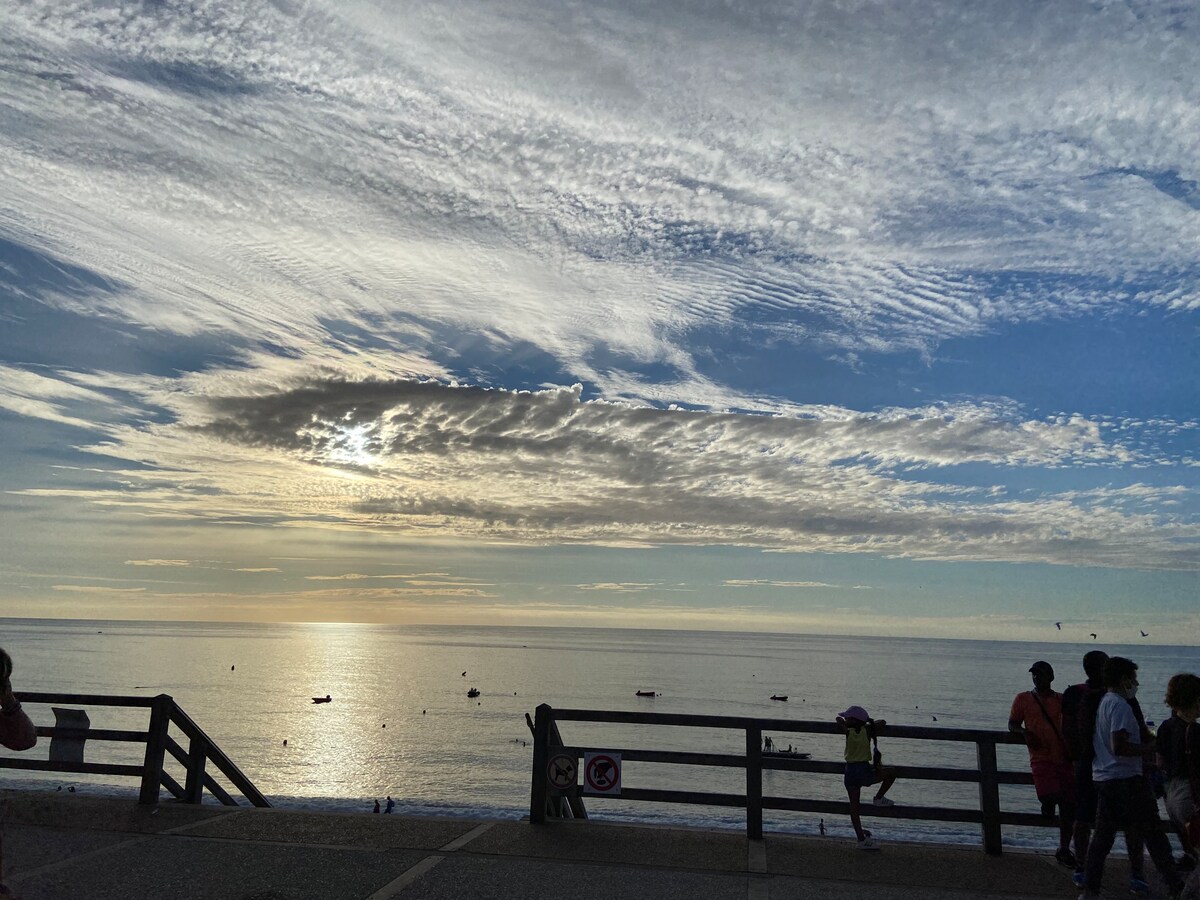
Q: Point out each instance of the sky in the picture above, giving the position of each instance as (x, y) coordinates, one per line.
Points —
(842, 317)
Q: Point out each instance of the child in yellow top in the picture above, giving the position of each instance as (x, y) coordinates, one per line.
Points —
(861, 770)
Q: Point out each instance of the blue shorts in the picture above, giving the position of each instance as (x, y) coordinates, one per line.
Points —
(860, 774)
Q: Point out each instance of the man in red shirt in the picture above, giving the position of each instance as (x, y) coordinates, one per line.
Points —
(1036, 715)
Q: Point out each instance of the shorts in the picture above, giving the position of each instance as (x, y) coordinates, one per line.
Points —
(860, 774)
(1053, 780)
(1085, 793)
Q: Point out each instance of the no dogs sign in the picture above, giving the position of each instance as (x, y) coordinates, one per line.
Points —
(561, 771)
(602, 773)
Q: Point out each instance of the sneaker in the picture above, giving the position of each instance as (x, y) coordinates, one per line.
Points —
(883, 801)
(868, 844)
(1077, 878)
(1138, 886)
(1066, 857)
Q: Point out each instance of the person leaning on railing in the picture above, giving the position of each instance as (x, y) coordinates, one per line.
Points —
(17, 732)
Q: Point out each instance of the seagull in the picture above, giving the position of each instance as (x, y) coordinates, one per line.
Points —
(464, 675)
(1058, 625)
(1093, 635)
(935, 718)
(1144, 633)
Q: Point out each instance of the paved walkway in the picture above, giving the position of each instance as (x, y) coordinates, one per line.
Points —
(71, 847)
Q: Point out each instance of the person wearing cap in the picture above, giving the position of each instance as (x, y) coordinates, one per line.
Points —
(862, 770)
(1036, 716)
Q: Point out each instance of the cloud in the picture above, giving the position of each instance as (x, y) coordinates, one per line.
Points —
(763, 582)
(95, 589)
(158, 562)
(262, 569)
(374, 185)
(544, 466)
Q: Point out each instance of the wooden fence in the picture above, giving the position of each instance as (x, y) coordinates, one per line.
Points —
(163, 713)
(986, 773)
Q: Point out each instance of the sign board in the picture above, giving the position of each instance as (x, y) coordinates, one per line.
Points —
(602, 773)
(562, 771)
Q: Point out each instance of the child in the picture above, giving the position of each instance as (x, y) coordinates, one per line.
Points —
(863, 771)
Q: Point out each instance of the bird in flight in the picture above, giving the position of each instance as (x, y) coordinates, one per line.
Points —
(1093, 635)
(1144, 633)
(1058, 625)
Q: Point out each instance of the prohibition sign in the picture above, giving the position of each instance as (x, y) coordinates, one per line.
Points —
(561, 771)
(602, 773)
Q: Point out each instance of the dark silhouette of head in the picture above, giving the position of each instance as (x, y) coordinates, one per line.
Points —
(1043, 674)
(1183, 691)
(1119, 670)
(1093, 663)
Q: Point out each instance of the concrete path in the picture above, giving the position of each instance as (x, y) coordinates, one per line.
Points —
(71, 847)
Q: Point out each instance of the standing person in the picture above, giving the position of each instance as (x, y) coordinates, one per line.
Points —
(1178, 746)
(863, 770)
(376, 809)
(391, 804)
(17, 732)
(1036, 715)
(1125, 801)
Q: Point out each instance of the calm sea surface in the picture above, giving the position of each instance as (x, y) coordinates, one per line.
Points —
(444, 754)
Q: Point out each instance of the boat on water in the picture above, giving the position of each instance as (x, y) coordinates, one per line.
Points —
(787, 754)
(473, 692)
(646, 693)
(779, 697)
(325, 699)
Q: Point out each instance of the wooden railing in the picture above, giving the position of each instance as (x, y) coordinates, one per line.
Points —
(164, 712)
(986, 774)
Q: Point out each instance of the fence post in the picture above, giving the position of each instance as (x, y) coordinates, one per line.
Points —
(754, 779)
(989, 796)
(156, 747)
(193, 788)
(541, 757)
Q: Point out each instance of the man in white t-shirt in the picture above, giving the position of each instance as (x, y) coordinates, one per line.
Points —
(1125, 800)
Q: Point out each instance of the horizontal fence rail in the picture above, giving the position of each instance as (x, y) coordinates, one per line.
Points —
(986, 774)
(163, 713)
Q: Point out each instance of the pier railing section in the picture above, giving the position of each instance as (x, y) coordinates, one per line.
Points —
(67, 742)
(988, 815)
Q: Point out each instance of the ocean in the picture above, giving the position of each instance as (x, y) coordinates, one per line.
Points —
(401, 724)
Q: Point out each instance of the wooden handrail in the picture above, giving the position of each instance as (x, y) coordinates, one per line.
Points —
(164, 712)
(987, 774)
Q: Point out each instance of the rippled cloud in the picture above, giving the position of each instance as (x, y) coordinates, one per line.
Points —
(546, 466)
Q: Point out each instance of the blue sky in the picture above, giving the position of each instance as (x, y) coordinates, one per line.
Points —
(849, 316)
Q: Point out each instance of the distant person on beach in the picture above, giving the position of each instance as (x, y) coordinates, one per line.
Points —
(17, 732)
(1178, 746)
(376, 809)
(1036, 715)
(391, 804)
(864, 769)
(1125, 800)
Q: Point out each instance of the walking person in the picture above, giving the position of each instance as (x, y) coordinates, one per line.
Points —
(1178, 746)
(1125, 801)
(864, 769)
(391, 805)
(1079, 704)
(1036, 715)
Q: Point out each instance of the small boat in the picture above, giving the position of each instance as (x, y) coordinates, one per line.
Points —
(787, 754)
(325, 699)
(779, 697)
(473, 692)
(646, 693)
